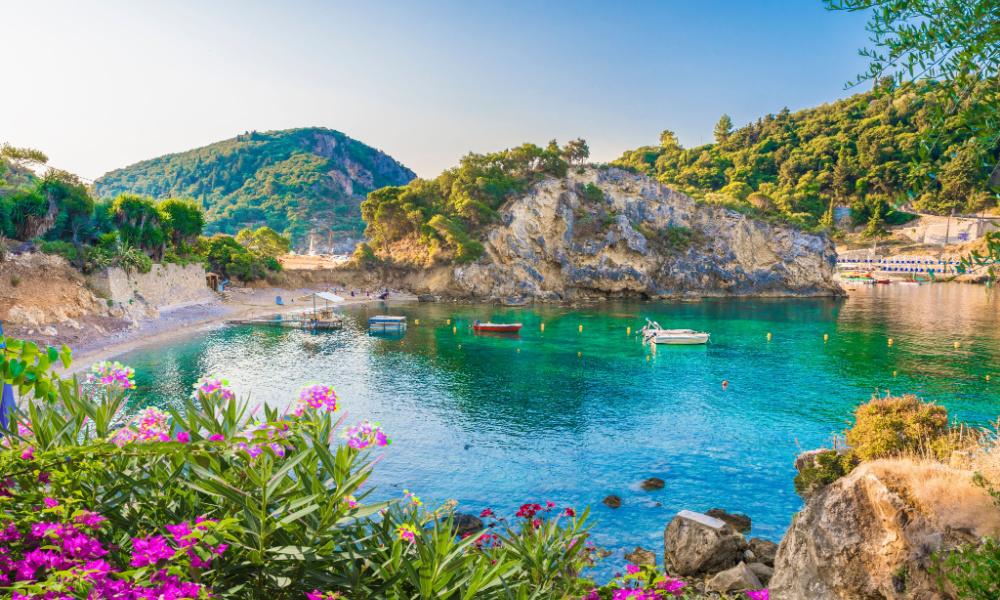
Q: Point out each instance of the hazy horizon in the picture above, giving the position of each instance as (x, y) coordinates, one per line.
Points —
(101, 85)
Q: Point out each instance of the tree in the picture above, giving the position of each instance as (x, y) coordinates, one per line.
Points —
(71, 198)
(668, 140)
(723, 129)
(264, 242)
(140, 224)
(876, 225)
(186, 220)
(576, 152)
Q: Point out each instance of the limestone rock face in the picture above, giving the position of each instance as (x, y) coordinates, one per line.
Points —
(859, 539)
(764, 551)
(695, 544)
(642, 239)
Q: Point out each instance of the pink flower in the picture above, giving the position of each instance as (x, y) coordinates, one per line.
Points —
(761, 595)
(28, 454)
(487, 514)
(569, 512)
(150, 550)
(406, 532)
(209, 386)
(550, 504)
(50, 502)
(183, 436)
(316, 395)
(111, 374)
(632, 569)
(672, 586)
(44, 478)
(218, 437)
(365, 435)
(89, 519)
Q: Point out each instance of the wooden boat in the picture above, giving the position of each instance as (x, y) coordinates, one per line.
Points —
(885, 280)
(497, 327)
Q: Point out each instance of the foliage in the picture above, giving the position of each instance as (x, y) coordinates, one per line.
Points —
(264, 242)
(827, 467)
(447, 214)
(140, 223)
(642, 583)
(364, 257)
(894, 425)
(974, 570)
(673, 238)
(593, 193)
(184, 218)
(955, 46)
(227, 256)
(254, 509)
(863, 146)
(283, 179)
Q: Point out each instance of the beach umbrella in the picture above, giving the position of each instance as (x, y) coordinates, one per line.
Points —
(7, 403)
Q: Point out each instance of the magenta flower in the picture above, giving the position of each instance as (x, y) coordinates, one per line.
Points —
(569, 512)
(406, 532)
(487, 514)
(671, 586)
(365, 435)
(632, 569)
(50, 502)
(150, 550)
(44, 478)
(112, 374)
(316, 395)
(218, 437)
(183, 436)
(90, 520)
(761, 595)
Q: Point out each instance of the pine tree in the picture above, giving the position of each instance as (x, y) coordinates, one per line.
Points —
(723, 129)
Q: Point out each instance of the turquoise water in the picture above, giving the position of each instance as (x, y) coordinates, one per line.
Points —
(575, 416)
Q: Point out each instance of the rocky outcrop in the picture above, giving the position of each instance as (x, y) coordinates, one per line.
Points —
(641, 239)
(652, 484)
(612, 501)
(871, 536)
(640, 556)
(737, 521)
(696, 544)
(465, 524)
(736, 579)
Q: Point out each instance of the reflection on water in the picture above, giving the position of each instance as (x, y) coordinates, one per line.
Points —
(572, 416)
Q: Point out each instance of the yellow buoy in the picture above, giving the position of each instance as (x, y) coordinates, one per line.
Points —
(581, 328)
(454, 329)
(769, 337)
(416, 321)
(628, 331)
(826, 337)
(890, 341)
(894, 373)
(518, 350)
(543, 326)
(449, 321)
(579, 353)
(956, 344)
(460, 346)
(647, 357)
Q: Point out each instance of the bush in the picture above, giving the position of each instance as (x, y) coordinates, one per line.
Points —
(892, 426)
(64, 249)
(974, 570)
(593, 193)
(205, 494)
(827, 467)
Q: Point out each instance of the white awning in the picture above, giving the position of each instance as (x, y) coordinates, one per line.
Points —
(329, 296)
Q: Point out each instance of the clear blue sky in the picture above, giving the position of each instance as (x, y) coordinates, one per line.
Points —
(100, 84)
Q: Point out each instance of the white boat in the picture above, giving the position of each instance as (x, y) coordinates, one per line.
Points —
(652, 332)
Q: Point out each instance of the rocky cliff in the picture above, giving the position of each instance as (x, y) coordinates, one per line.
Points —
(562, 240)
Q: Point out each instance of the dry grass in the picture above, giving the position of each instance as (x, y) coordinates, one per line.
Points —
(949, 496)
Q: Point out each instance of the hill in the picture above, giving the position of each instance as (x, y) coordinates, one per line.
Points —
(298, 181)
(859, 152)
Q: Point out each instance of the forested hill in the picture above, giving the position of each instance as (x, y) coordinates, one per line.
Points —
(857, 151)
(297, 181)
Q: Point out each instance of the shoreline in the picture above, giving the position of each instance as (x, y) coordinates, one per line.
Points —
(178, 321)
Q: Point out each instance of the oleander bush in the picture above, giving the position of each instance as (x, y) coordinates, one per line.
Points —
(218, 498)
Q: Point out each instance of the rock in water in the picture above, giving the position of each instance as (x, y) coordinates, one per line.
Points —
(763, 550)
(737, 579)
(427, 298)
(653, 483)
(642, 239)
(612, 501)
(640, 556)
(466, 524)
(696, 544)
(737, 521)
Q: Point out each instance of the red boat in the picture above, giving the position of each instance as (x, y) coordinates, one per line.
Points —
(497, 327)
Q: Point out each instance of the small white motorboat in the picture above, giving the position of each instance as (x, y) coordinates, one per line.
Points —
(652, 332)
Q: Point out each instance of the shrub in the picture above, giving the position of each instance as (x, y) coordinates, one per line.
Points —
(252, 509)
(973, 570)
(893, 426)
(64, 249)
(593, 193)
(827, 467)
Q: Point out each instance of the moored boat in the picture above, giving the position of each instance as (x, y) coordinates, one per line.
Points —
(387, 323)
(655, 334)
(496, 327)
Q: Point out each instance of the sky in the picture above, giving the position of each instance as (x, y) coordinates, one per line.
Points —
(102, 84)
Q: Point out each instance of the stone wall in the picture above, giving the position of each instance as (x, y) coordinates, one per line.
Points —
(165, 284)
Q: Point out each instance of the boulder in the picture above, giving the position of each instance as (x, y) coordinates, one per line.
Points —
(20, 315)
(427, 298)
(640, 556)
(612, 501)
(653, 483)
(737, 521)
(466, 524)
(763, 550)
(737, 579)
(695, 544)
(854, 537)
(50, 331)
(762, 571)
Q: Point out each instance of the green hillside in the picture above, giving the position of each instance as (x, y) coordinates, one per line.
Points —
(297, 181)
(859, 151)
